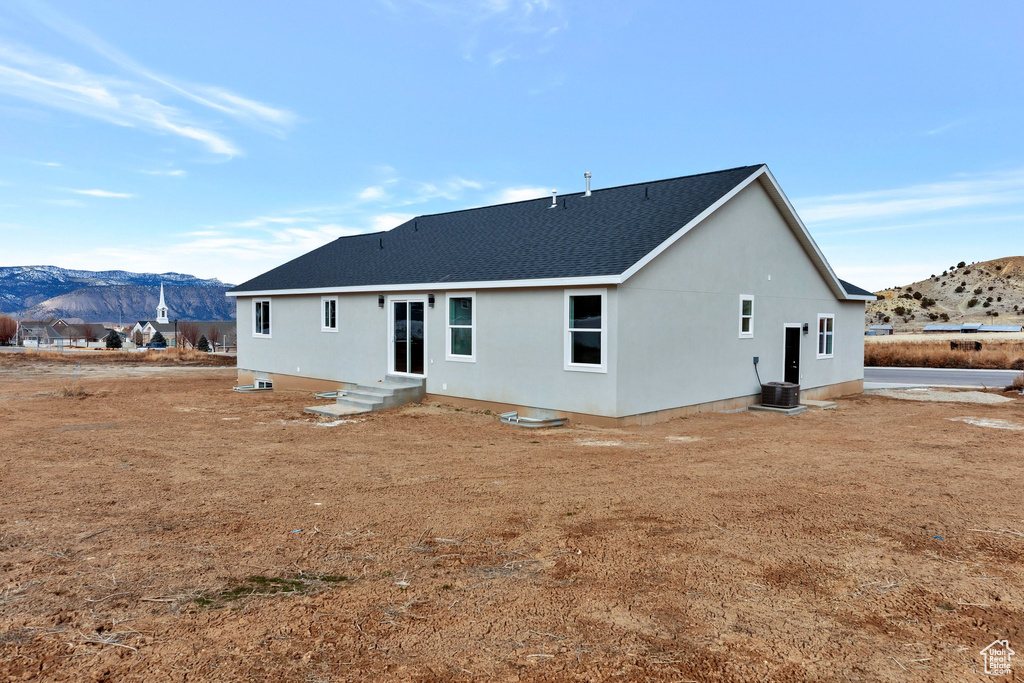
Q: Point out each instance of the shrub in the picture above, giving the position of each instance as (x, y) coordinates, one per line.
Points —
(991, 288)
(203, 344)
(899, 310)
(967, 272)
(944, 316)
(886, 319)
(918, 295)
(989, 299)
(972, 303)
(999, 267)
(933, 316)
(999, 298)
(959, 289)
(113, 340)
(977, 290)
(927, 302)
(961, 264)
(945, 273)
(986, 304)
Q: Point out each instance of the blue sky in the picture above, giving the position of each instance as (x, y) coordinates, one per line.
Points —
(222, 139)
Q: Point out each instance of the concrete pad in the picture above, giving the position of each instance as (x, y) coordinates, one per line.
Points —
(818, 405)
(781, 411)
(334, 410)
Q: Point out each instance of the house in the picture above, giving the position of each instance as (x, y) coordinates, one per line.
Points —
(220, 333)
(880, 330)
(583, 305)
(60, 332)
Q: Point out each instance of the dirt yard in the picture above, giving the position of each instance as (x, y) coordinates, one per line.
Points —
(164, 528)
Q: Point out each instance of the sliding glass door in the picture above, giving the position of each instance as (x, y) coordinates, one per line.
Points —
(407, 337)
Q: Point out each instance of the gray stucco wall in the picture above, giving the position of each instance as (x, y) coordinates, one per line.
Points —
(519, 348)
(672, 329)
(679, 340)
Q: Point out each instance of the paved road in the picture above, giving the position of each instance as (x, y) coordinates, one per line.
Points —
(940, 377)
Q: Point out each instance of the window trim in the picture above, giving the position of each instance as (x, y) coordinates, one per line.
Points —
(270, 328)
(750, 334)
(323, 301)
(826, 333)
(567, 331)
(448, 355)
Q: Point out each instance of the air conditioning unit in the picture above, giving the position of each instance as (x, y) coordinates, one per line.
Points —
(780, 395)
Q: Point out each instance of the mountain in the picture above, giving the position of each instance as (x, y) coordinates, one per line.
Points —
(989, 292)
(109, 296)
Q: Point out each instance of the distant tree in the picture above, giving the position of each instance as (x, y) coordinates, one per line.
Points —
(972, 303)
(886, 319)
(8, 330)
(158, 339)
(933, 316)
(961, 264)
(918, 295)
(137, 338)
(213, 334)
(944, 316)
(89, 333)
(189, 332)
(945, 273)
(113, 340)
(999, 267)
(900, 311)
(203, 344)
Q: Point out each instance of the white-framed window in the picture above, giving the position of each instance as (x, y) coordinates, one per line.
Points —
(586, 330)
(328, 314)
(460, 334)
(826, 327)
(261, 317)
(746, 316)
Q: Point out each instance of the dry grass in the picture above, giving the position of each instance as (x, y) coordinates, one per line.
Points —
(71, 390)
(1018, 382)
(151, 357)
(937, 354)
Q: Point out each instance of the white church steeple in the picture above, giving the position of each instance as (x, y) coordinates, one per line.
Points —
(161, 308)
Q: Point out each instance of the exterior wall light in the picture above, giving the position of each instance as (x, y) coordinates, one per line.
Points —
(380, 302)
(430, 300)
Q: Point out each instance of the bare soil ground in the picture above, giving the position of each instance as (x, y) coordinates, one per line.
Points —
(162, 527)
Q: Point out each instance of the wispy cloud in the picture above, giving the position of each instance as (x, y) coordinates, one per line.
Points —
(46, 163)
(134, 98)
(990, 189)
(518, 194)
(176, 173)
(104, 193)
(372, 193)
(942, 129)
(523, 28)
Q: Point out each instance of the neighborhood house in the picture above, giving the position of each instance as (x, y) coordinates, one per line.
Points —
(628, 304)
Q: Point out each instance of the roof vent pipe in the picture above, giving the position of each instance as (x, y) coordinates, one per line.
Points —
(586, 176)
(554, 200)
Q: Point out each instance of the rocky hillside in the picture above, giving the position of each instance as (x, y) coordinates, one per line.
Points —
(109, 296)
(989, 292)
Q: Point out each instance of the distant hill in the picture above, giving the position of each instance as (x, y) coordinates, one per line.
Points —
(109, 296)
(989, 292)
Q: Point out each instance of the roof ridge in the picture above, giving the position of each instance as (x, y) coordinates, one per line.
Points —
(575, 194)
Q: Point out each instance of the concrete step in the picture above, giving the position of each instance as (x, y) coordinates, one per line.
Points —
(365, 402)
(334, 410)
(368, 398)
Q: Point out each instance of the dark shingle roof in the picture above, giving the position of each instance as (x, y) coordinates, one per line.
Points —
(604, 234)
(854, 289)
